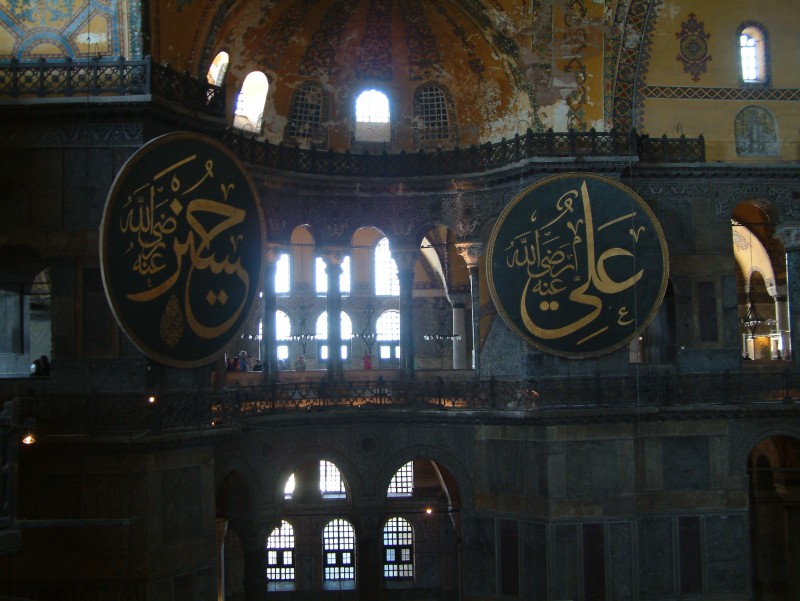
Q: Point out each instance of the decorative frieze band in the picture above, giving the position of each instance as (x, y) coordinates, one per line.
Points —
(703, 93)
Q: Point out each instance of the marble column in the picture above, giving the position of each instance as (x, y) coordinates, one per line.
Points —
(406, 259)
(269, 307)
(333, 268)
(471, 253)
(782, 318)
(459, 340)
(789, 235)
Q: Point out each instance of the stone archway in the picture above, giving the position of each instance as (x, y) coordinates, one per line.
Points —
(773, 468)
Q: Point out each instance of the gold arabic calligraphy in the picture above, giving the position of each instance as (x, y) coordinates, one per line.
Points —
(150, 219)
(551, 256)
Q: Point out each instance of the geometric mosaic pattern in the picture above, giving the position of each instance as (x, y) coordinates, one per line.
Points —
(635, 42)
(700, 93)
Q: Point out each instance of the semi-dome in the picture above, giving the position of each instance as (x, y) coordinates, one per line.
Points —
(450, 64)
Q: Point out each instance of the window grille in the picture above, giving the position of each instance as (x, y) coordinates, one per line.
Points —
(307, 114)
(430, 108)
(402, 484)
(398, 538)
(338, 542)
(280, 553)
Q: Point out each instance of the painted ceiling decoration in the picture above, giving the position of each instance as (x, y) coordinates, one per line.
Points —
(693, 45)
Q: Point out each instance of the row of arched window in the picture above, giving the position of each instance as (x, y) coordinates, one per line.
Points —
(384, 273)
(338, 552)
(387, 330)
(433, 110)
(338, 536)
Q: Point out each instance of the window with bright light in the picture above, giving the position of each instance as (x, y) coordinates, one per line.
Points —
(373, 122)
(402, 484)
(280, 553)
(386, 280)
(307, 114)
(283, 333)
(321, 276)
(398, 549)
(338, 549)
(217, 70)
(250, 102)
(753, 54)
(288, 490)
(331, 483)
(387, 328)
(322, 326)
(283, 280)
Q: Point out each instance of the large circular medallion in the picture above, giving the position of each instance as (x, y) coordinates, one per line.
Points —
(577, 265)
(181, 248)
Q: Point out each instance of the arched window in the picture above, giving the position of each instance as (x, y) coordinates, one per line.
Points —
(754, 60)
(373, 119)
(331, 483)
(280, 557)
(217, 70)
(283, 333)
(250, 102)
(398, 549)
(387, 328)
(322, 336)
(402, 484)
(307, 113)
(338, 548)
(283, 280)
(321, 276)
(432, 114)
(386, 281)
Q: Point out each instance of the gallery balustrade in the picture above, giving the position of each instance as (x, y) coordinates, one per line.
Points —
(47, 79)
(546, 398)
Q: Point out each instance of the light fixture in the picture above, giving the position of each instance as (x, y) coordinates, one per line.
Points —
(151, 399)
(752, 319)
(28, 431)
(368, 335)
(442, 336)
(302, 335)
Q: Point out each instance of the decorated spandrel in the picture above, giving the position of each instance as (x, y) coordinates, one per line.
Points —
(577, 265)
(181, 246)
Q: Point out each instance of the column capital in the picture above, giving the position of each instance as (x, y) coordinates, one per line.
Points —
(471, 252)
(789, 235)
(273, 252)
(405, 258)
(332, 256)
